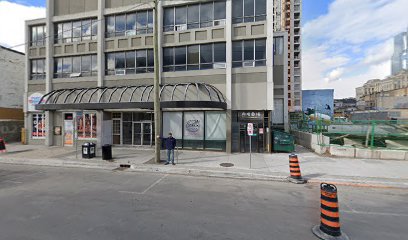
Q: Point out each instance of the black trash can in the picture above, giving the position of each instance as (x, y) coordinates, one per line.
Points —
(92, 149)
(107, 152)
(86, 150)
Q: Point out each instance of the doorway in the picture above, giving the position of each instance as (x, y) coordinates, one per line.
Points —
(142, 134)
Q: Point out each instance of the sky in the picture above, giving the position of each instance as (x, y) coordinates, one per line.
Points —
(344, 42)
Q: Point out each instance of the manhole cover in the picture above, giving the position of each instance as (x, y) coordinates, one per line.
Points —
(226, 165)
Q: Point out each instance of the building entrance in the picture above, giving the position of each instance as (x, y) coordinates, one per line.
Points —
(142, 134)
(135, 128)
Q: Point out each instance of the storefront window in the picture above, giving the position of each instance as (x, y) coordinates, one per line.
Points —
(172, 123)
(38, 130)
(215, 130)
(86, 125)
(193, 136)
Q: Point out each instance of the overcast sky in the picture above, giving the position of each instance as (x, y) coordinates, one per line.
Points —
(345, 42)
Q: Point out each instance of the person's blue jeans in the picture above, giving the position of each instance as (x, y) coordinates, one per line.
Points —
(170, 155)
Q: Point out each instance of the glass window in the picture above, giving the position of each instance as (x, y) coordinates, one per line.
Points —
(260, 52)
(86, 64)
(59, 64)
(59, 33)
(120, 60)
(76, 64)
(248, 10)
(237, 11)
(168, 56)
(76, 31)
(67, 32)
(34, 67)
(219, 52)
(141, 22)
(67, 65)
(40, 66)
(34, 36)
(150, 60)
(181, 15)
(215, 128)
(110, 26)
(248, 50)
(180, 55)
(141, 61)
(260, 10)
(206, 56)
(150, 21)
(193, 15)
(169, 17)
(40, 36)
(86, 30)
(38, 127)
(86, 125)
(120, 25)
(130, 60)
(94, 29)
(206, 14)
(219, 10)
(193, 135)
(110, 62)
(193, 57)
(237, 51)
(94, 66)
(131, 24)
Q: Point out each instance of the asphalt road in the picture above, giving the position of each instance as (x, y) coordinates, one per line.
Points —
(75, 204)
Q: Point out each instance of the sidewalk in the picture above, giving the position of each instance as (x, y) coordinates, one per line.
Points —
(315, 168)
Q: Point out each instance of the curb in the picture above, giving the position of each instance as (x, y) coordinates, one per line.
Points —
(277, 177)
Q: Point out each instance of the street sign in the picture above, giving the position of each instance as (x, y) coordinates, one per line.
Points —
(250, 129)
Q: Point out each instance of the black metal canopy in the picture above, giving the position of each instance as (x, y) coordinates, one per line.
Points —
(181, 95)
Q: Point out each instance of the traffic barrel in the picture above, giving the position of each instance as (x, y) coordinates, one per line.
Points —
(294, 167)
(2, 145)
(329, 228)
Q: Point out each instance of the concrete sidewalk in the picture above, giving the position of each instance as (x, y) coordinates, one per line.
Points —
(315, 168)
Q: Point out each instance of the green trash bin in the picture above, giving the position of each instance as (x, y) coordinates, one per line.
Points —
(283, 142)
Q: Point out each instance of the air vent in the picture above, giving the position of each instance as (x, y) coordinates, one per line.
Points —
(120, 72)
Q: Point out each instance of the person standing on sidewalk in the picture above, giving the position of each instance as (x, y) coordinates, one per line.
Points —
(170, 143)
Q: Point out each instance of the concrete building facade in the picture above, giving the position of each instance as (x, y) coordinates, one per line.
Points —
(287, 17)
(11, 78)
(389, 93)
(94, 73)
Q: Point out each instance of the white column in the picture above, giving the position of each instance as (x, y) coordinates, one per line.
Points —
(160, 37)
(269, 55)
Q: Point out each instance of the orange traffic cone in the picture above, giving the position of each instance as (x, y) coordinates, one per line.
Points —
(329, 228)
(294, 167)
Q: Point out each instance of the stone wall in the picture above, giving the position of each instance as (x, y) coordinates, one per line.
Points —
(10, 130)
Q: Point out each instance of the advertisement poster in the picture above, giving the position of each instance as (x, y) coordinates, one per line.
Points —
(194, 126)
(318, 103)
(68, 132)
(33, 100)
(38, 126)
(86, 123)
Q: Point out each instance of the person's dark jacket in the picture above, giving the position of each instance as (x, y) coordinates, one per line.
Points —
(170, 143)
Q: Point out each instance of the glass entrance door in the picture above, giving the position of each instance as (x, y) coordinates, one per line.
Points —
(142, 133)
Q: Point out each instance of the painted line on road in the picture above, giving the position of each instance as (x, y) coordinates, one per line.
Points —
(11, 181)
(148, 188)
(385, 185)
(377, 213)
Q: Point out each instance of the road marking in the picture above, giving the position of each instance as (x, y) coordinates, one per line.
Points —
(377, 213)
(11, 181)
(148, 188)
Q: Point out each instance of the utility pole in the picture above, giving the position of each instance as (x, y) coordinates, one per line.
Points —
(157, 110)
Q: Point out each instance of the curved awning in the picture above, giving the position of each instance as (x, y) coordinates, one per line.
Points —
(182, 95)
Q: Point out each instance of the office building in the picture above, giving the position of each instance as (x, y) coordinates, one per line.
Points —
(399, 60)
(90, 73)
